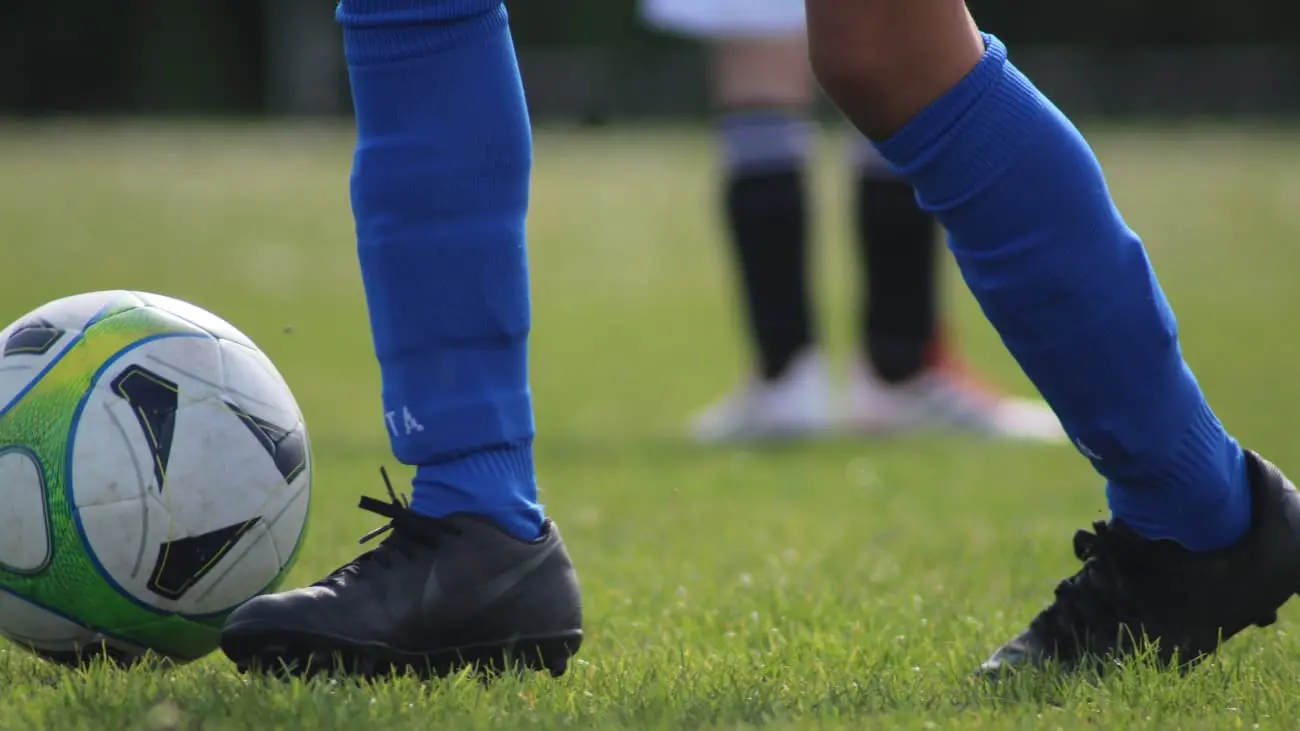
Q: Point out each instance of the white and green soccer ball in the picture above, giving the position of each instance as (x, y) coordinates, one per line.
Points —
(154, 475)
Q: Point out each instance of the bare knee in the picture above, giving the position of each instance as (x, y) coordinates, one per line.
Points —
(762, 72)
(883, 61)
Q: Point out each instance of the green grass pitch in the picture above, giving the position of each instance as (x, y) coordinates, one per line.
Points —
(846, 585)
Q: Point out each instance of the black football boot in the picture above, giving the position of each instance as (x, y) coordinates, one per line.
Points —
(1135, 595)
(436, 596)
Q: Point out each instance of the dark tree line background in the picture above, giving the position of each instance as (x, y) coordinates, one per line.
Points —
(246, 57)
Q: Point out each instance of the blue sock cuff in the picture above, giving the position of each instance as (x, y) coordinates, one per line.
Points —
(918, 151)
(1205, 441)
(385, 31)
(497, 483)
(1200, 498)
(512, 461)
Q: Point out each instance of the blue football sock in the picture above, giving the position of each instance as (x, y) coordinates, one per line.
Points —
(1069, 288)
(440, 193)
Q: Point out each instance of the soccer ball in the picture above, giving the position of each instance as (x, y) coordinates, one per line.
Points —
(154, 474)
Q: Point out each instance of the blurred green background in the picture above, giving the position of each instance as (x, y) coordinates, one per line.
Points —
(590, 60)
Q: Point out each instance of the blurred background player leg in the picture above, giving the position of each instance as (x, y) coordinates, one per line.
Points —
(762, 93)
(899, 251)
(909, 373)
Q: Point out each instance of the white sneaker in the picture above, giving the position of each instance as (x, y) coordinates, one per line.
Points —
(795, 406)
(944, 397)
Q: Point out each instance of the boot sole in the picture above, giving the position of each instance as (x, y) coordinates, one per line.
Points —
(290, 654)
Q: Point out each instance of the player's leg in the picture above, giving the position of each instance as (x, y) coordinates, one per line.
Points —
(899, 250)
(471, 569)
(909, 374)
(1205, 538)
(762, 90)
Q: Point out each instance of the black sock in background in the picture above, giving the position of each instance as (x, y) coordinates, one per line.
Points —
(899, 253)
(766, 212)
